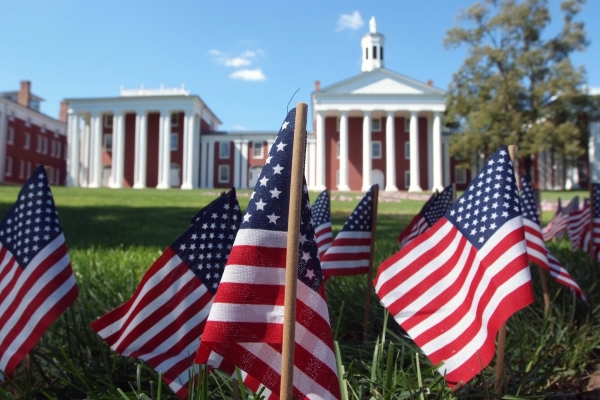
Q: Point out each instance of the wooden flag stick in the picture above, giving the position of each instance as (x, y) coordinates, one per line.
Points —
(371, 256)
(291, 262)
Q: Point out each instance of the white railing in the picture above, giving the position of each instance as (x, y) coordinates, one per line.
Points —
(162, 91)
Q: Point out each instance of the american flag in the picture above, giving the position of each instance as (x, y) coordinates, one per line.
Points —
(245, 324)
(596, 221)
(163, 320)
(432, 211)
(350, 252)
(453, 287)
(579, 227)
(536, 248)
(36, 280)
(322, 222)
(557, 227)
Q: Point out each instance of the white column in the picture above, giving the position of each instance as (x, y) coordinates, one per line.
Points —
(237, 150)
(594, 151)
(390, 153)
(343, 186)
(204, 172)
(3, 130)
(85, 154)
(415, 186)
(195, 149)
(96, 151)
(320, 162)
(118, 151)
(244, 165)
(437, 152)
(164, 149)
(73, 148)
(309, 168)
(366, 156)
(141, 149)
(210, 170)
(188, 152)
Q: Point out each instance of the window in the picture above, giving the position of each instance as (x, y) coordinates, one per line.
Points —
(174, 141)
(10, 136)
(26, 141)
(257, 149)
(376, 124)
(366, 53)
(45, 145)
(58, 149)
(381, 51)
(108, 120)
(406, 179)
(39, 144)
(8, 166)
(28, 169)
(375, 52)
(407, 125)
(57, 176)
(11, 116)
(21, 169)
(43, 129)
(337, 145)
(175, 119)
(376, 149)
(28, 122)
(460, 174)
(582, 170)
(224, 150)
(52, 148)
(223, 173)
(407, 150)
(108, 142)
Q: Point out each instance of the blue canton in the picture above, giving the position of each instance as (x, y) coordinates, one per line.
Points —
(435, 209)
(205, 246)
(529, 203)
(361, 218)
(320, 209)
(490, 200)
(596, 195)
(269, 204)
(32, 222)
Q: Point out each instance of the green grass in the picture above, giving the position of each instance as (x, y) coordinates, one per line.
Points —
(115, 235)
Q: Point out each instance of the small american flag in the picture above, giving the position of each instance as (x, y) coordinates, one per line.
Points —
(596, 221)
(557, 227)
(36, 280)
(579, 227)
(432, 211)
(164, 319)
(322, 222)
(536, 248)
(452, 287)
(245, 325)
(350, 252)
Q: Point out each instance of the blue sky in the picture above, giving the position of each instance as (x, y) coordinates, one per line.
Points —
(244, 58)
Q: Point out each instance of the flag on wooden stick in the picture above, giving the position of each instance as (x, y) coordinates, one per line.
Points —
(321, 213)
(596, 219)
(245, 324)
(579, 227)
(350, 252)
(557, 227)
(536, 248)
(36, 280)
(432, 211)
(452, 287)
(163, 320)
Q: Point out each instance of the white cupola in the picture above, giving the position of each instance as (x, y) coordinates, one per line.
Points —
(372, 48)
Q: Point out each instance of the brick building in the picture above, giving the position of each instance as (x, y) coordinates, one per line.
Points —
(29, 138)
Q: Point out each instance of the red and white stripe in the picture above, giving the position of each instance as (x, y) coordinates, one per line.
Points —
(323, 237)
(556, 228)
(349, 254)
(452, 298)
(539, 254)
(579, 227)
(162, 321)
(31, 299)
(416, 227)
(245, 325)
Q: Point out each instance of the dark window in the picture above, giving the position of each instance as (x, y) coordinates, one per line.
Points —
(381, 51)
(366, 53)
(375, 52)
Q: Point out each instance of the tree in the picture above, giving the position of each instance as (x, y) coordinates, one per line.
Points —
(517, 86)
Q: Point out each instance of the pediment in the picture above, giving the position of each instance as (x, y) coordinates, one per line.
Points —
(381, 82)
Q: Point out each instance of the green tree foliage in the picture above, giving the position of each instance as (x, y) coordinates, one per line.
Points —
(517, 85)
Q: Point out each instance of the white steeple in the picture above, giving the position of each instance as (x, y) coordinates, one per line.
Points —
(372, 48)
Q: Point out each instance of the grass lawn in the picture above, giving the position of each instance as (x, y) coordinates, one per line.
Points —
(114, 236)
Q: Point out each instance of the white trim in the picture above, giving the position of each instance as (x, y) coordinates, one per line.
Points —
(27, 141)
(262, 145)
(223, 167)
(105, 139)
(406, 179)
(105, 120)
(407, 150)
(464, 172)
(227, 146)
(373, 143)
(10, 135)
(373, 128)
(176, 136)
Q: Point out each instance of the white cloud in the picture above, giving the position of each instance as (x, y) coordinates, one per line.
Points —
(243, 60)
(249, 75)
(349, 21)
(239, 128)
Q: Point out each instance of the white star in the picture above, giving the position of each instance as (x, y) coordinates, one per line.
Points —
(280, 146)
(310, 274)
(263, 181)
(260, 205)
(268, 160)
(275, 193)
(247, 217)
(284, 126)
(277, 169)
(273, 218)
(306, 256)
